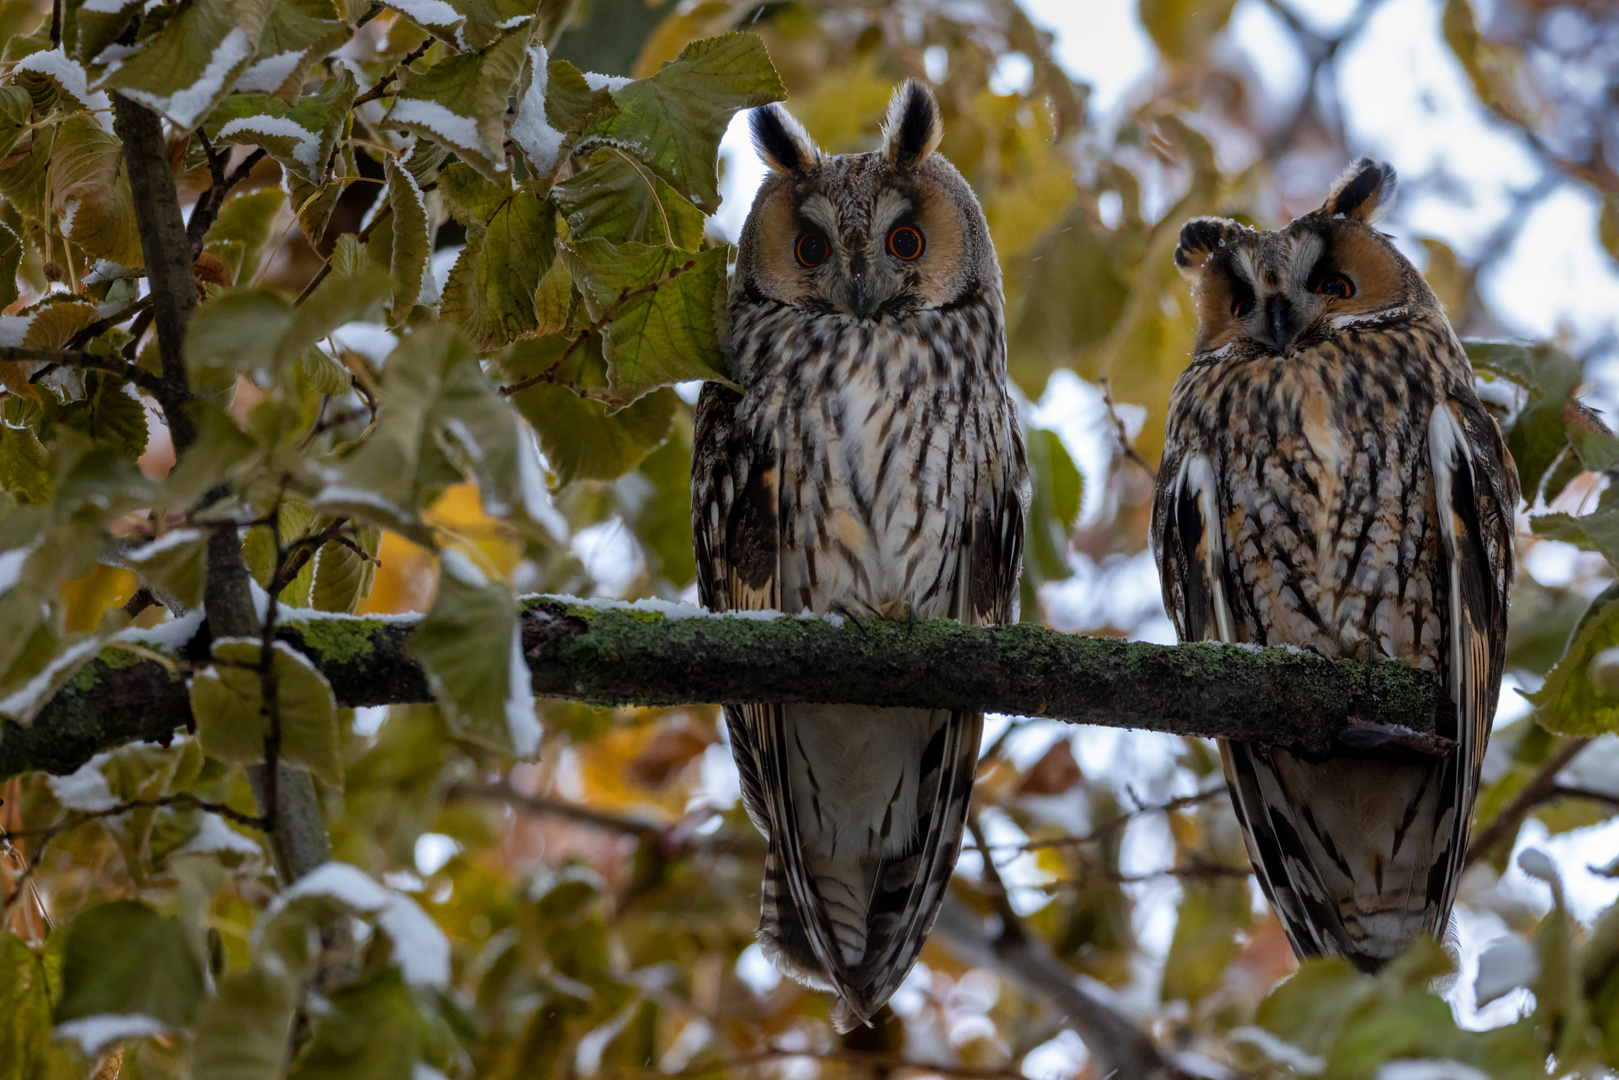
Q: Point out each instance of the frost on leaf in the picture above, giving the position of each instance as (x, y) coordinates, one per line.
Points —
(187, 67)
(460, 102)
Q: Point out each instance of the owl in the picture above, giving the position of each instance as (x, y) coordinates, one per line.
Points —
(871, 466)
(1331, 481)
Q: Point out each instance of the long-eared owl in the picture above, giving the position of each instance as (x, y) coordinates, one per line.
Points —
(1332, 481)
(870, 466)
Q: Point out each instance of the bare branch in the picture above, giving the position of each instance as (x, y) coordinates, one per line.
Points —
(1540, 788)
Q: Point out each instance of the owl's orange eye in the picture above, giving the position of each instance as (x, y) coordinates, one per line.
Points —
(905, 243)
(1241, 308)
(812, 248)
(1335, 285)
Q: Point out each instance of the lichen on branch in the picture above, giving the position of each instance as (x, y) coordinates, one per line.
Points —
(666, 655)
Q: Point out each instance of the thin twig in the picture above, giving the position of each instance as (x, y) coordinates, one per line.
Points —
(381, 89)
(44, 836)
(136, 376)
(1540, 788)
(722, 1066)
(1126, 447)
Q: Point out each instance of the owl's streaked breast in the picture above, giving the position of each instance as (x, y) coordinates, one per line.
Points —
(1331, 535)
(890, 435)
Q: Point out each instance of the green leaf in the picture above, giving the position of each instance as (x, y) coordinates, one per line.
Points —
(29, 981)
(460, 102)
(341, 298)
(220, 447)
(367, 1031)
(572, 106)
(1596, 531)
(659, 305)
(301, 136)
(1540, 433)
(174, 566)
(1568, 702)
(10, 262)
(661, 518)
(399, 468)
(625, 202)
(87, 171)
(1209, 919)
(15, 109)
(325, 375)
(510, 245)
(1053, 510)
(1183, 28)
(299, 33)
(234, 334)
(342, 577)
(109, 414)
(247, 220)
(123, 957)
(674, 120)
(226, 701)
(244, 1030)
(188, 66)
(24, 465)
(581, 441)
(412, 246)
(468, 24)
(554, 104)
(470, 644)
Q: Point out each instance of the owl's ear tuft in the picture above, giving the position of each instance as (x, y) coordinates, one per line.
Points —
(1362, 193)
(781, 141)
(1200, 238)
(913, 126)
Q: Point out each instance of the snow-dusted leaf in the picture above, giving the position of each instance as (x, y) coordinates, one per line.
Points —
(226, 701)
(420, 950)
(66, 76)
(623, 201)
(661, 304)
(298, 33)
(674, 120)
(342, 577)
(412, 246)
(471, 646)
(460, 102)
(123, 958)
(174, 565)
(510, 245)
(300, 136)
(188, 66)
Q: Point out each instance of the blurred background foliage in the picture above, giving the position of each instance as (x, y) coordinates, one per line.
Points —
(599, 903)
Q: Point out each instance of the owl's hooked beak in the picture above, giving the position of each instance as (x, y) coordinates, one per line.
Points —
(1283, 322)
(859, 289)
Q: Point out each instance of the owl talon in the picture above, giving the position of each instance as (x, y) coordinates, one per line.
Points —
(843, 609)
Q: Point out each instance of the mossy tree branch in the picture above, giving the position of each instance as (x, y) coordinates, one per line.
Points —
(621, 656)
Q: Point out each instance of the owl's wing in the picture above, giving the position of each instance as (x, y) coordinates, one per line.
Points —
(1476, 496)
(734, 536)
